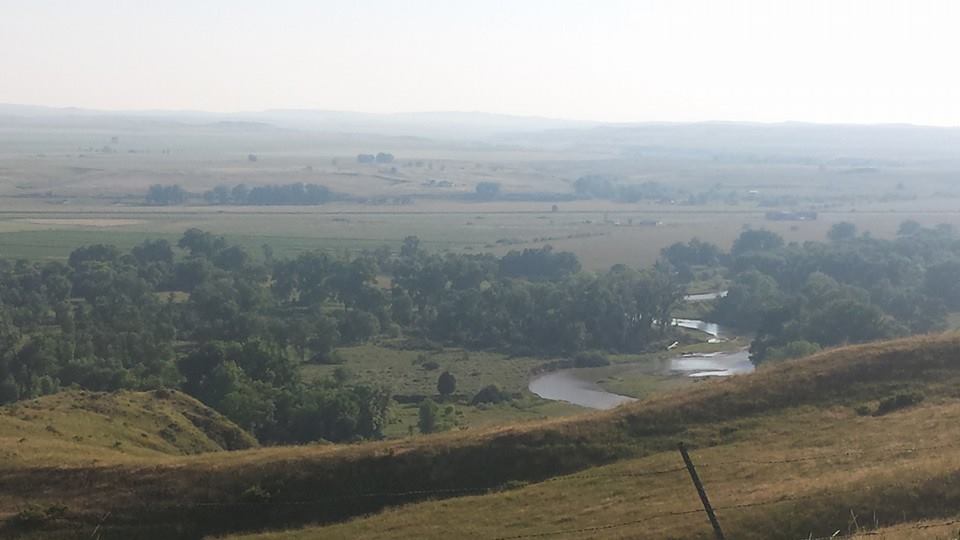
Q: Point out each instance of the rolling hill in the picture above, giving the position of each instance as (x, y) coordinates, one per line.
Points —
(849, 439)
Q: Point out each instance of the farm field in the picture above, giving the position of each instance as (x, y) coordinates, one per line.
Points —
(69, 182)
(598, 244)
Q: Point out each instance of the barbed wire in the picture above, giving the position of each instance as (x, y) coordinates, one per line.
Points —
(740, 506)
(886, 530)
(426, 493)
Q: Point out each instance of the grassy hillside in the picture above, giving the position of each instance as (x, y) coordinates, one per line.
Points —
(89, 427)
(790, 450)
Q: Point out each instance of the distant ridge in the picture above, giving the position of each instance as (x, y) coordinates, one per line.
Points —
(785, 142)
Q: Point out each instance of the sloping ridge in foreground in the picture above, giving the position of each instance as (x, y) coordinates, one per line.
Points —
(191, 496)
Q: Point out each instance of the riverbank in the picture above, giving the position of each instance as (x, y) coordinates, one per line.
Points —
(632, 377)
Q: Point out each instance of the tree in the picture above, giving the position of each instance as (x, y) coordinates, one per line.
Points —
(909, 228)
(541, 263)
(218, 195)
(325, 337)
(161, 195)
(842, 231)
(846, 321)
(239, 194)
(693, 253)
(9, 390)
(410, 247)
(489, 394)
(95, 253)
(358, 326)
(153, 251)
(750, 298)
(201, 243)
(488, 190)
(446, 384)
(427, 416)
(942, 281)
(756, 240)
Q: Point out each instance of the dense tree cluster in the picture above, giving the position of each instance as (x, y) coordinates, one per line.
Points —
(380, 157)
(600, 186)
(207, 317)
(800, 297)
(161, 195)
(487, 190)
(280, 194)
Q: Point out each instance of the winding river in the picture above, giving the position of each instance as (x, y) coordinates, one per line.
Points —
(577, 386)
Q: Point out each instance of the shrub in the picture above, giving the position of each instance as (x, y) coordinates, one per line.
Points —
(34, 516)
(898, 401)
(490, 394)
(590, 359)
(794, 349)
(327, 359)
(255, 494)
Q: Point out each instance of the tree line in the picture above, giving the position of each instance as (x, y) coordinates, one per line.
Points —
(297, 193)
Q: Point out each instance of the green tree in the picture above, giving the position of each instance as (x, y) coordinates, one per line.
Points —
(488, 190)
(756, 240)
(842, 231)
(909, 228)
(427, 416)
(201, 243)
(446, 384)
(750, 298)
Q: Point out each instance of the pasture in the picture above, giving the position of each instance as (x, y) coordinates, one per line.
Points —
(69, 182)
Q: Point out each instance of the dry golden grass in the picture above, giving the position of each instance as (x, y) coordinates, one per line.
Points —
(802, 409)
(799, 473)
(923, 530)
(89, 428)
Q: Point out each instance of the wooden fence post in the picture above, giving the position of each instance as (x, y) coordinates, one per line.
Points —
(700, 491)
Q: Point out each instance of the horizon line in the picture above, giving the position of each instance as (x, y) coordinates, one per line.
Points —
(595, 123)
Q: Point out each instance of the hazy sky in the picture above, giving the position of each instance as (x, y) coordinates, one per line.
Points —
(618, 60)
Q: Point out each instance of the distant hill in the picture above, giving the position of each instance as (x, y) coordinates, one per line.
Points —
(840, 145)
(454, 125)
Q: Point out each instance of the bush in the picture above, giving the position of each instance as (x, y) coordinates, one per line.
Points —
(328, 359)
(590, 359)
(794, 349)
(490, 394)
(898, 401)
(34, 516)
(255, 494)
